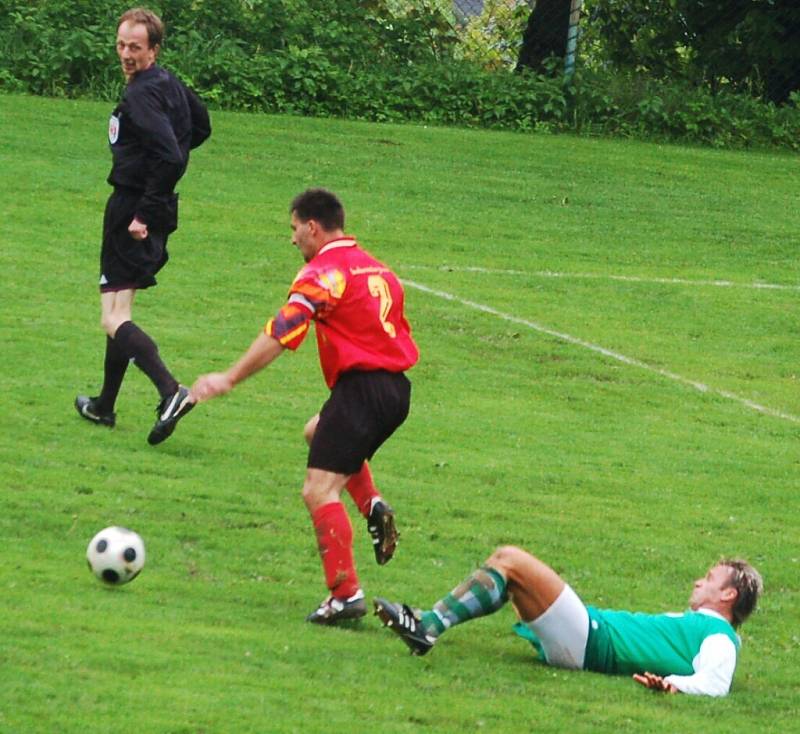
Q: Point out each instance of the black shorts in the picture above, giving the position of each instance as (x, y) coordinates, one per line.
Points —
(126, 263)
(364, 409)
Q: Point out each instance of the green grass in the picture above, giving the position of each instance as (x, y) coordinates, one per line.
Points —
(627, 480)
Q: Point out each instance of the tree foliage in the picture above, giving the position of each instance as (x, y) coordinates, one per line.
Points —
(745, 45)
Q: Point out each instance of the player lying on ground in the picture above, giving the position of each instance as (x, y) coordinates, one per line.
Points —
(693, 652)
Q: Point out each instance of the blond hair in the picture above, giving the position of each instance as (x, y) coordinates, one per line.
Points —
(748, 584)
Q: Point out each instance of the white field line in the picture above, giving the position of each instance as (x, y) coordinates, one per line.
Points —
(699, 386)
(598, 276)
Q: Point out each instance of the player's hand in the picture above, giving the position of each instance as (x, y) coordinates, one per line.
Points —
(137, 229)
(211, 385)
(655, 683)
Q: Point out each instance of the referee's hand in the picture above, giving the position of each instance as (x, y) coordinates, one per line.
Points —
(137, 229)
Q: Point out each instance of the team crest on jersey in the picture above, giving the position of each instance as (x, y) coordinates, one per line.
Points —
(332, 281)
(113, 129)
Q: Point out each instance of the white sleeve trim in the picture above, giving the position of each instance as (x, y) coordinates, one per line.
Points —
(713, 665)
(301, 300)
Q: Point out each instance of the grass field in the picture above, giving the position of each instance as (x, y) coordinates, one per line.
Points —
(609, 377)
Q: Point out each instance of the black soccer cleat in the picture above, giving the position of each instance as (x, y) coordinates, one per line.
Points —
(383, 532)
(403, 621)
(87, 407)
(333, 610)
(170, 410)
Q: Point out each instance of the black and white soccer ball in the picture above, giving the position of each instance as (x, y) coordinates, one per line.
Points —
(116, 555)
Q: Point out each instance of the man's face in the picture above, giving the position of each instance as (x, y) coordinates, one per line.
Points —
(303, 237)
(133, 48)
(712, 589)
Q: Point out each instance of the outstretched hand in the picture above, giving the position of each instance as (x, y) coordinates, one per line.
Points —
(211, 385)
(654, 682)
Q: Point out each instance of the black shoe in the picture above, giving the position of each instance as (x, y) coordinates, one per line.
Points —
(402, 620)
(380, 524)
(333, 610)
(170, 410)
(87, 407)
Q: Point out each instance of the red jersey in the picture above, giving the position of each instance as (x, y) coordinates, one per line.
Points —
(357, 304)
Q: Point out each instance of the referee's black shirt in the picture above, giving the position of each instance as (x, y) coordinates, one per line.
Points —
(151, 132)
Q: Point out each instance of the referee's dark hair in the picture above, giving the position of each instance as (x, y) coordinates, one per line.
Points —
(321, 205)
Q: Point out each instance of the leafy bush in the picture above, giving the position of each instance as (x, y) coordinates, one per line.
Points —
(42, 56)
(678, 111)
(378, 60)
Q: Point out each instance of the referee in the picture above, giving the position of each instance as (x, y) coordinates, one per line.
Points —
(151, 132)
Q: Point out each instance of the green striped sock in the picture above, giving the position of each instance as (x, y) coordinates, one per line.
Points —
(482, 592)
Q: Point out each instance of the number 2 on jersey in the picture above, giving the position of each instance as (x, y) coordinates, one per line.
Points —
(379, 288)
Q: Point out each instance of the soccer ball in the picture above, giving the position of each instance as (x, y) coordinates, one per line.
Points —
(116, 555)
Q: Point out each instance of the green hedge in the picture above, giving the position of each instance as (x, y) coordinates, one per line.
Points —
(358, 60)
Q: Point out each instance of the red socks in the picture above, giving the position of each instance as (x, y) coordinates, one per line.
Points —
(362, 489)
(335, 534)
(335, 540)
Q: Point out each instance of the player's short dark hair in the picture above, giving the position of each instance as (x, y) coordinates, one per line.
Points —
(748, 584)
(154, 24)
(320, 205)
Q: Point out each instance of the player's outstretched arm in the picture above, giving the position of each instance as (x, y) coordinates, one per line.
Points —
(261, 352)
(654, 682)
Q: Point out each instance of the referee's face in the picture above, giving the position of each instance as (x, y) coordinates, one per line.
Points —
(133, 48)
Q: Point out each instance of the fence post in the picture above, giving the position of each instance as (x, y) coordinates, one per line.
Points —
(572, 38)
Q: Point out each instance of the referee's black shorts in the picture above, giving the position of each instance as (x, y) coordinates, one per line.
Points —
(126, 263)
(363, 410)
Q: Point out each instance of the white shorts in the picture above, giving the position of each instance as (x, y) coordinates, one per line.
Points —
(563, 630)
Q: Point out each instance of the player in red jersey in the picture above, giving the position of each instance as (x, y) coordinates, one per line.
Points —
(365, 346)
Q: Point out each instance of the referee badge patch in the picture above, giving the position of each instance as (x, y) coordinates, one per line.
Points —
(113, 129)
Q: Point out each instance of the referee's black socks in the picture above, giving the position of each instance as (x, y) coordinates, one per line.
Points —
(114, 368)
(137, 345)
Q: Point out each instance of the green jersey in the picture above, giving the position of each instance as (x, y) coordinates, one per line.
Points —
(695, 651)
(664, 644)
